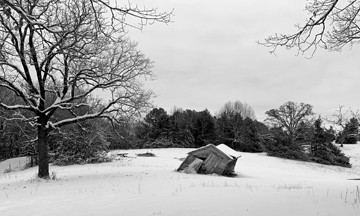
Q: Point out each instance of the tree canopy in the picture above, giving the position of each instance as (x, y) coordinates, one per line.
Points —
(230, 109)
(290, 116)
(74, 50)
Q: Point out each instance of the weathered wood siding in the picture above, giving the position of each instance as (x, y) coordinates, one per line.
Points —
(194, 166)
(188, 160)
(214, 164)
(230, 167)
(212, 160)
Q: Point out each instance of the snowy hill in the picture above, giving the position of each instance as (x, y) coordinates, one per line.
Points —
(150, 186)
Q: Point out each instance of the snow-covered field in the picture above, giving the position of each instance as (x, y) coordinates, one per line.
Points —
(150, 186)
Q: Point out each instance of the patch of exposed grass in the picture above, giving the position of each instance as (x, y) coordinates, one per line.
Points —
(146, 154)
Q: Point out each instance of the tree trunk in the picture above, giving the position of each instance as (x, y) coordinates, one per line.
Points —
(342, 140)
(291, 138)
(43, 152)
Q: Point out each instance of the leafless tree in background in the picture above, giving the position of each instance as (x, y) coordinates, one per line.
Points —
(231, 108)
(74, 49)
(339, 119)
(332, 24)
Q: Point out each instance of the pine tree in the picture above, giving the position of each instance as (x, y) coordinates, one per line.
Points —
(203, 128)
(351, 131)
(323, 151)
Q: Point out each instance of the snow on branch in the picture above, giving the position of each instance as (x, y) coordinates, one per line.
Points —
(57, 56)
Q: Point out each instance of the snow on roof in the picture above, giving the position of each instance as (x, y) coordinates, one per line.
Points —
(228, 151)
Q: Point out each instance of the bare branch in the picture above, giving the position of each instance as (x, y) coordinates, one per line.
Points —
(332, 25)
(70, 61)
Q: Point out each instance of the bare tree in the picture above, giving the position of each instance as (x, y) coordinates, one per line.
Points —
(339, 119)
(237, 107)
(332, 24)
(355, 114)
(290, 116)
(76, 50)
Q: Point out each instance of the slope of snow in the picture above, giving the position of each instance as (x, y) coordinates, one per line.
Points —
(150, 186)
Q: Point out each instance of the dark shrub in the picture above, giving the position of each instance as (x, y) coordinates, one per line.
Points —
(161, 142)
(330, 155)
(286, 152)
(249, 147)
(350, 140)
(81, 149)
(323, 151)
(278, 146)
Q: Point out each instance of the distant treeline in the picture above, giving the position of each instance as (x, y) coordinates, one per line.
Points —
(193, 129)
(290, 132)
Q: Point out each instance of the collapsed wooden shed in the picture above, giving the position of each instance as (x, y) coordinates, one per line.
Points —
(209, 159)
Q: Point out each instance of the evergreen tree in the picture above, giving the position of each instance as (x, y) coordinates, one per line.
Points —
(154, 130)
(351, 131)
(249, 138)
(158, 123)
(239, 133)
(276, 144)
(228, 128)
(323, 151)
(203, 128)
(181, 127)
(319, 137)
(331, 134)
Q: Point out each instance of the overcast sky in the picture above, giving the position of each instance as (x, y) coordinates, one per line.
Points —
(208, 55)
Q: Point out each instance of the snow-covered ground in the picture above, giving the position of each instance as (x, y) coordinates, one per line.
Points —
(150, 186)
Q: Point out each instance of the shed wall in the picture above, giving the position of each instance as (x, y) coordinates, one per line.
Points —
(214, 164)
(188, 160)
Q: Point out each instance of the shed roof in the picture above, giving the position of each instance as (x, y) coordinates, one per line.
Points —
(228, 151)
(222, 149)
